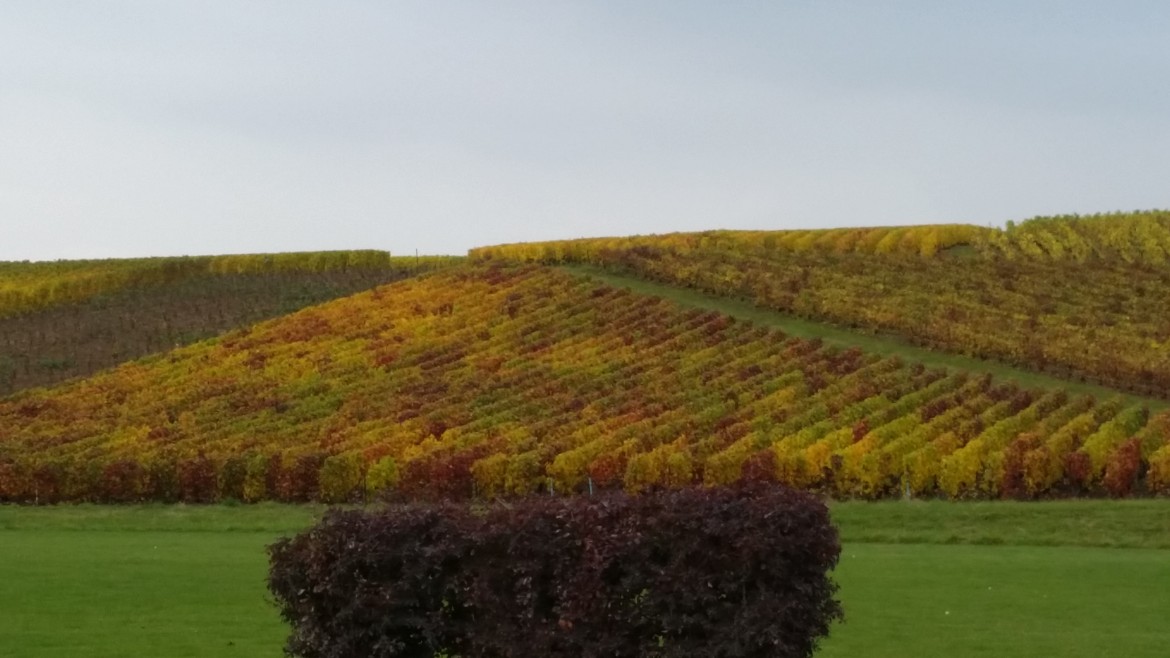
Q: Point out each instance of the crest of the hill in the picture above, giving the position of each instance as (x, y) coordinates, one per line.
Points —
(1081, 298)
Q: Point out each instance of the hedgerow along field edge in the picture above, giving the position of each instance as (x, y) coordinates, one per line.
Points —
(976, 579)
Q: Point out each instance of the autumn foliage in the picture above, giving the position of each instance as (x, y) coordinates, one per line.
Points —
(28, 286)
(73, 318)
(1081, 298)
(495, 381)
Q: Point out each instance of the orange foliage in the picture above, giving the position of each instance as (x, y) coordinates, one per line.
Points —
(507, 380)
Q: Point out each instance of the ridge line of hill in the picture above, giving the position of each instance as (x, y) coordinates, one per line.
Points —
(833, 335)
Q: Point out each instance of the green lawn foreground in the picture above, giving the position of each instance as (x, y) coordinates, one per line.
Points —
(140, 581)
(1075, 578)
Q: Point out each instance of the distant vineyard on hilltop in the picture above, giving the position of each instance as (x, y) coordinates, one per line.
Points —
(65, 319)
(1081, 298)
(30, 286)
(491, 381)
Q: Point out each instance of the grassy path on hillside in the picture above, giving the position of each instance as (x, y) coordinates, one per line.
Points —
(187, 581)
(834, 335)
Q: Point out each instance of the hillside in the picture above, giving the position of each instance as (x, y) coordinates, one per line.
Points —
(67, 319)
(505, 380)
(1079, 298)
(874, 344)
(29, 286)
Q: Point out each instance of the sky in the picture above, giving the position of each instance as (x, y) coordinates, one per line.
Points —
(140, 128)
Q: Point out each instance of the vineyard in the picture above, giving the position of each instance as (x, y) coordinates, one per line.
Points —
(69, 319)
(31, 286)
(1081, 298)
(497, 380)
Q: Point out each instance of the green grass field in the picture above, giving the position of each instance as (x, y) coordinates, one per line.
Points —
(917, 579)
(140, 581)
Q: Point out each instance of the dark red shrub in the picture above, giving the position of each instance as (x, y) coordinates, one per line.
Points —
(275, 481)
(606, 471)
(197, 479)
(1123, 468)
(1014, 483)
(48, 482)
(735, 572)
(298, 481)
(123, 481)
(860, 429)
(760, 467)
(443, 475)
(1077, 469)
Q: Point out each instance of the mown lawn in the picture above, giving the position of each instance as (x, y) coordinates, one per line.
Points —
(139, 581)
(959, 600)
(917, 579)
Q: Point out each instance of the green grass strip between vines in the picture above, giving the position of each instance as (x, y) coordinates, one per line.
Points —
(833, 335)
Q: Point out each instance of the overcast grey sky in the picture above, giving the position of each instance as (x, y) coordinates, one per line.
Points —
(150, 127)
